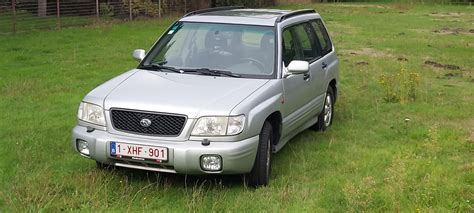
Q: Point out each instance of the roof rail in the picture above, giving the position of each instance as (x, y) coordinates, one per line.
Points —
(294, 13)
(213, 9)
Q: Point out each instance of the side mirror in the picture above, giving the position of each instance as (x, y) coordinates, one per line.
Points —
(298, 67)
(139, 54)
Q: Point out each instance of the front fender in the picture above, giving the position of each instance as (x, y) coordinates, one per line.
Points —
(98, 95)
(261, 104)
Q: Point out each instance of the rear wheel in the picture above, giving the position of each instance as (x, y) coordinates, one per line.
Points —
(260, 174)
(325, 117)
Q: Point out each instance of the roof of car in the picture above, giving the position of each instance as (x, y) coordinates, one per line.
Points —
(266, 17)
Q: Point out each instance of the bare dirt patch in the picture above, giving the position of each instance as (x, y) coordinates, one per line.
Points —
(402, 59)
(362, 63)
(449, 15)
(450, 75)
(447, 31)
(445, 66)
(368, 52)
(453, 31)
(363, 6)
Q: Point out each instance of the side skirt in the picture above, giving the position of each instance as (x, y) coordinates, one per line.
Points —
(302, 128)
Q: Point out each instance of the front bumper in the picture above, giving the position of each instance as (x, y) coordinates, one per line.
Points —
(183, 156)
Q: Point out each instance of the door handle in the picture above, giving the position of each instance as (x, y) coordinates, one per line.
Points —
(306, 76)
(324, 66)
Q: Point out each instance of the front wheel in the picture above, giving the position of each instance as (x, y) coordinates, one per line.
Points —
(325, 117)
(260, 174)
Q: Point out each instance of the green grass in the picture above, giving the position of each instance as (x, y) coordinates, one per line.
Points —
(371, 159)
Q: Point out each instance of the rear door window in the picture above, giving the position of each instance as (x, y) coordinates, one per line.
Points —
(308, 46)
(299, 43)
(322, 35)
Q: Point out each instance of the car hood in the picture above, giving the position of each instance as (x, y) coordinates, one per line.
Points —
(187, 94)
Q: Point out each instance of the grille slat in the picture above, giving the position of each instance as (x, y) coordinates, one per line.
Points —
(161, 124)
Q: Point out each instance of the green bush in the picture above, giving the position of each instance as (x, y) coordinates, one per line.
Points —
(142, 7)
(106, 10)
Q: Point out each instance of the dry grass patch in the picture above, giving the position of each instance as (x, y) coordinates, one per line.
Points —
(453, 31)
(364, 6)
(19, 88)
(445, 66)
(449, 14)
(371, 52)
(471, 131)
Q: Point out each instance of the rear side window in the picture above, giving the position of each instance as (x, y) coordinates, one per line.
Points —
(322, 35)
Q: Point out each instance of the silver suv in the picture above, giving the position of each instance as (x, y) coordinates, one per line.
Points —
(218, 93)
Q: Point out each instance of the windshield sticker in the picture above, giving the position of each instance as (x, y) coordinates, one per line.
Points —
(175, 28)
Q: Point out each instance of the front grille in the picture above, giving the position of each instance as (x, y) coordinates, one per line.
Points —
(161, 124)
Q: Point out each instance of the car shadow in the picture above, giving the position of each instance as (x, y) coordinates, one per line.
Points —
(180, 180)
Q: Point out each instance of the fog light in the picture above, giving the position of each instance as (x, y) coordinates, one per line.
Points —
(211, 162)
(83, 147)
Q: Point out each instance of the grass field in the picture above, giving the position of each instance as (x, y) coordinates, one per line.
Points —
(402, 139)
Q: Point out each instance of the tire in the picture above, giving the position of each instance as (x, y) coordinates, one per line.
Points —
(326, 116)
(260, 174)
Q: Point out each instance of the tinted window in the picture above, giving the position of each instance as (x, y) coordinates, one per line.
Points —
(307, 41)
(299, 43)
(322, 35)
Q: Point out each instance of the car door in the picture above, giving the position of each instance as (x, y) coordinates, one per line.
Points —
(312, 54)
(297, 88)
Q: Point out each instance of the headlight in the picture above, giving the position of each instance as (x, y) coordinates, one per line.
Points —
(219, 126)
(91, 113)
(235, 125)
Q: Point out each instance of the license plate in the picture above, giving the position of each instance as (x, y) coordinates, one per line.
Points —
(138, 152)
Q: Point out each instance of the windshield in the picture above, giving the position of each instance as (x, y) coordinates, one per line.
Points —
(240, 49)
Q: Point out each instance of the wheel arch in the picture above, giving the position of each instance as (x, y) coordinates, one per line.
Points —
(333, 85)
(275, 120)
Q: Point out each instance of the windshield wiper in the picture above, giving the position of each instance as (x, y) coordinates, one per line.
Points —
(213, 72)
(159, 66)
(204, 71)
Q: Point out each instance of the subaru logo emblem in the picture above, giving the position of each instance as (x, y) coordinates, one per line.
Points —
(145, 122)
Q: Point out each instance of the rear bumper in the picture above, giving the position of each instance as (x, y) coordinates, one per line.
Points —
(183, 157)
